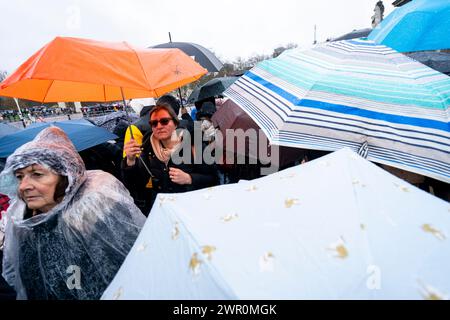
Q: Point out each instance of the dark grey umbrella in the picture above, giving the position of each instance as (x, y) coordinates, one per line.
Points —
(212, 88)
(360, 33)
(439, 61)
(203, 56)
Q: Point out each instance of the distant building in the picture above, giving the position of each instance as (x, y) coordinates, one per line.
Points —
(399, 3)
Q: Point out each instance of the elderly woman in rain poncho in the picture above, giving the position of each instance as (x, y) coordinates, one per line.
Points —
(68, 229)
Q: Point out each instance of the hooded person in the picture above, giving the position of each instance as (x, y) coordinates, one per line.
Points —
(68, 230)
(204, 115)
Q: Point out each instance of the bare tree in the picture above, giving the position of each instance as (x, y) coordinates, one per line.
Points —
(280, 50)
(3, 75)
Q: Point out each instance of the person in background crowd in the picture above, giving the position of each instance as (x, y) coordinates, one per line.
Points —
(204, 115)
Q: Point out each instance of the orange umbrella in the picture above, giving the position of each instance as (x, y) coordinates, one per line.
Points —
(74, 69)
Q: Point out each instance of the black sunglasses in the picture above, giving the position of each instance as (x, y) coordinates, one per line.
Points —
(163, 121)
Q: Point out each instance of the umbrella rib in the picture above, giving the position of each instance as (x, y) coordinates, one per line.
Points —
(104, 92)
(48, 89)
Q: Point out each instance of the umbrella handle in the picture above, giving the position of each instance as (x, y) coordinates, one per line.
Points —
(131, 132)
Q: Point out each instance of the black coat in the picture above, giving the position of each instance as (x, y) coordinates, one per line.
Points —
(6, 292)
(137, 178)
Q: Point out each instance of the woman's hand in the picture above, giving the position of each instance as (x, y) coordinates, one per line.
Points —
(179, 176)
(132, 149)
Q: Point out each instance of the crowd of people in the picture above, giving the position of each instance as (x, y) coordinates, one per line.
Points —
(33, 113)
(61, 215)
(68, 218)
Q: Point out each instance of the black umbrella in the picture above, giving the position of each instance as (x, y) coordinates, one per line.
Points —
(203, 56)
(212, 88)
(359, 33)
(439, 61)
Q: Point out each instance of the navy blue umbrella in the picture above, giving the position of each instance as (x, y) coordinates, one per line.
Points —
(439, 61)
(7, 129)
(82, 133)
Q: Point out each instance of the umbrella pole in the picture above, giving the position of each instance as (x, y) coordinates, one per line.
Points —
(20, 112)
(181, 99)
(126, 112)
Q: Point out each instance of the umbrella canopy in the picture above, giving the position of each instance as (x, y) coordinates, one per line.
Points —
(231, 116)
(359, 33)
(415, 26)
(109, 121)
(353, 93)
(82, 133)
(6, 129)
(212, 88)
(203, 56)
(73, 69)
(375, 237)
(439, 61)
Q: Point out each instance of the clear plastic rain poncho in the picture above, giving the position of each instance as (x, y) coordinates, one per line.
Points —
(74, 250)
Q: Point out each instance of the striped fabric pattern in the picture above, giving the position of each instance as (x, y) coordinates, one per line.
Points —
(351, 92)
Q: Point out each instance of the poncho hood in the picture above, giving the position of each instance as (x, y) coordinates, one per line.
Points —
(52, 149)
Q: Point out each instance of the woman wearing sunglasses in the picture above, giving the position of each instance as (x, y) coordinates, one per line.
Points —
(157, 170)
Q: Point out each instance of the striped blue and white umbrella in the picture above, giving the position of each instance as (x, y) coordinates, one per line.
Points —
(355, 94)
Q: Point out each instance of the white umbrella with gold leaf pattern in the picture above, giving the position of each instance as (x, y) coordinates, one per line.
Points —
(338, 227)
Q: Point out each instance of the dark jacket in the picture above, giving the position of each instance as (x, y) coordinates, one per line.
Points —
(137, 177)
(6, 292)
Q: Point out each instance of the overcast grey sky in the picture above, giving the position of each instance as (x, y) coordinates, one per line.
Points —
(231, 28)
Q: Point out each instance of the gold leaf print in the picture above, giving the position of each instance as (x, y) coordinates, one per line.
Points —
(175, 232)
(118, 294)
(194, 264)
(267, 262)
(342, 251)
(251, 188)
(208, 250)
(402, 187)
(292, 175)
(229, 217)
(356, 181)
(142, 247)
(438, 234)
(290, 202)
(430, 293)
(339, 249)
(268, 255)
(207, 196)
(163, 199)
